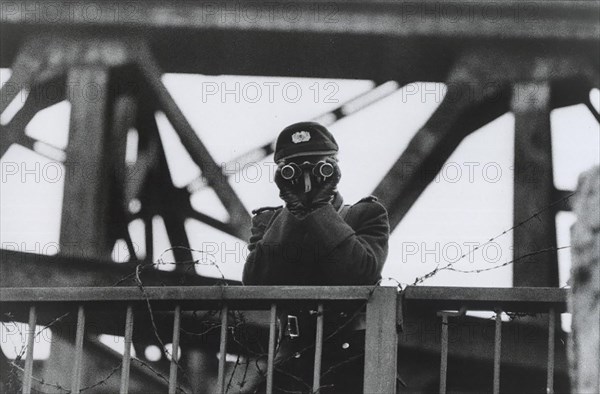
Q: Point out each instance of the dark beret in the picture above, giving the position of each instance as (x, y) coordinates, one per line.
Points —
(304, 139)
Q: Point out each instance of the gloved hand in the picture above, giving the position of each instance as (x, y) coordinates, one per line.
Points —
(326, 188)
(291, 194)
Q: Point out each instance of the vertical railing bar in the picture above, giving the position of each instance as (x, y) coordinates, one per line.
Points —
(497, 350)
(551, 328)
(444, 354)
(271, 354)
(318, 349)
(175, 351)
(125, 366)
(79, 336)
(28, 372)
(223, 348)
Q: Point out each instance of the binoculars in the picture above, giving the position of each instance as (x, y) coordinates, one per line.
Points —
(292, 171)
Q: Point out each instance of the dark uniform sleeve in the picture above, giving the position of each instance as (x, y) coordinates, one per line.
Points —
(347, 255)
(275, 251)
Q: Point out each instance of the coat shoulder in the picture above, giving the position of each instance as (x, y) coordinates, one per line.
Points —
(263, 215)
(369, 204)
(367, 199)
(258, 211)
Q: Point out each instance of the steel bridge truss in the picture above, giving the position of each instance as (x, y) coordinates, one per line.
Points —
(493, 57)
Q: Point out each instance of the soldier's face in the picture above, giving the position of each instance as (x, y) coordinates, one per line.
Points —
(307, 182)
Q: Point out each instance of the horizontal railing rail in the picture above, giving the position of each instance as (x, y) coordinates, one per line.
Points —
(511, 299)
(259, 296)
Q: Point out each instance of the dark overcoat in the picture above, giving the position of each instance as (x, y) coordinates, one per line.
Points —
(336, 244)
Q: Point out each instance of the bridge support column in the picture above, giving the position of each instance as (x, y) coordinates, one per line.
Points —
(534, 188)
(584, 343)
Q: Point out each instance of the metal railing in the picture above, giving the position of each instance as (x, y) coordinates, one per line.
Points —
(386, 310)
(454, 302)
(380, 303)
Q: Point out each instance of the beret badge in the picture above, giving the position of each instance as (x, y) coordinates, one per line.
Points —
(300, 136)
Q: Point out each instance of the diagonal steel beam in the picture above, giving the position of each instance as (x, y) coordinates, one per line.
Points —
(457, 116)
(478, 92)
(210, 169)
(165, 202)
(219, 225)
(592, 109)
(12, 136)
(38, 99)
(326, 119)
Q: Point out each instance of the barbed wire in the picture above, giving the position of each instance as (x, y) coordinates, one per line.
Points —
(535, 215)
(479, 270)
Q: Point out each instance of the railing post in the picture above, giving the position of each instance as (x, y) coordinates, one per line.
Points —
(127, 350)
(271, 354)
(318, 350)
(444, 342)
(381, 345)
(175, 351)
(497, 350)
(28, 372)
(223, 350)
(444, 354)
(79, 337)
(551, 327)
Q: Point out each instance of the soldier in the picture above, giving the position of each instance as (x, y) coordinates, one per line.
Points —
(316, 240)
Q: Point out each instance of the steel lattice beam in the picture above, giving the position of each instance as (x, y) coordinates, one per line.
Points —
(375, 40)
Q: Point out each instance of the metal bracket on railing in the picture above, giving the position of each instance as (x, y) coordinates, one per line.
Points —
(458, 313)
(444, 351)
(293, 329)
